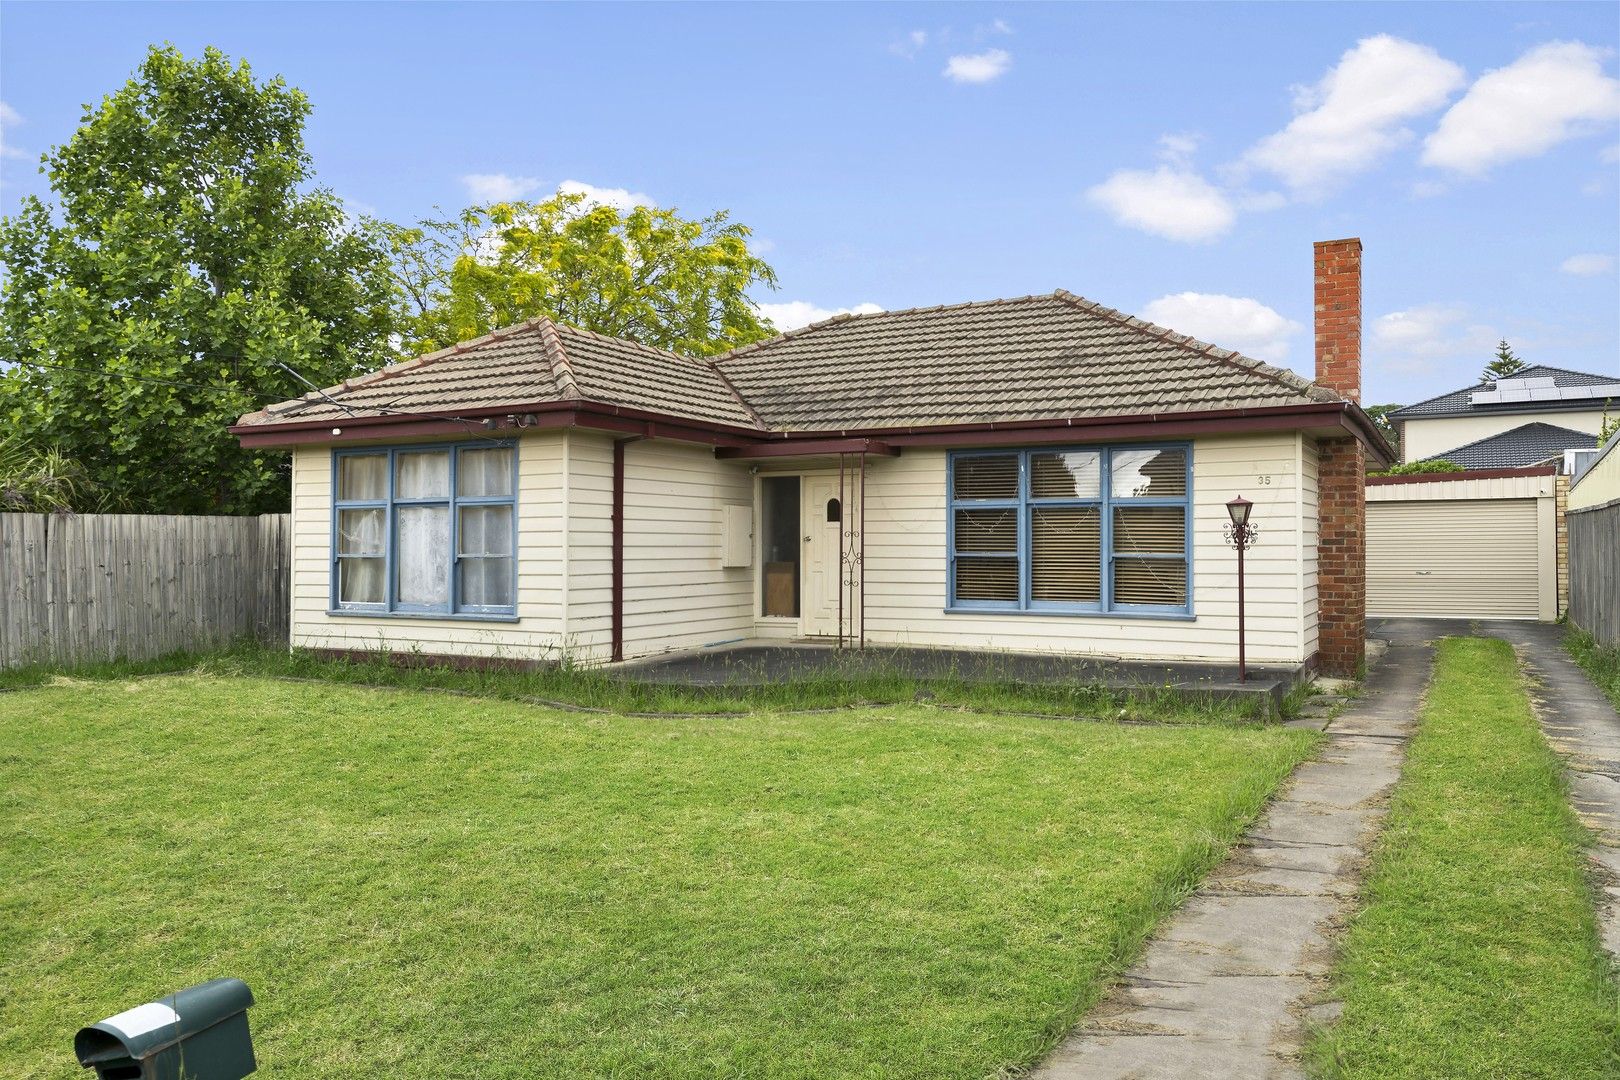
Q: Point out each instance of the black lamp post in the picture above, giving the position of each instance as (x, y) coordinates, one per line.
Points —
(1240, 534)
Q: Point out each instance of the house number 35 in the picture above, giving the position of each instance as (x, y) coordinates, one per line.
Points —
(1264, 481)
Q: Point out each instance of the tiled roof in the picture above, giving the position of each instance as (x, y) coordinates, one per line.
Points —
(1528, 444)
(533, 362)
(1054, 356)
(1460, 402)
(1038, 357)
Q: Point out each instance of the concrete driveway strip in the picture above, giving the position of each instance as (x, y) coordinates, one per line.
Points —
(1581, 724)
(1226, 987)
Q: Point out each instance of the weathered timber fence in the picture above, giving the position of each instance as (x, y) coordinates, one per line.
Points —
(1594, 571)
(82, 587)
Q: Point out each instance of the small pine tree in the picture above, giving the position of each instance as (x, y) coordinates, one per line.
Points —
(1505, 365)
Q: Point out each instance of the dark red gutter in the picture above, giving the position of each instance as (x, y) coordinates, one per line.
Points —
(557, 414)
(1465, 474)
(543, 414)
(805, 447)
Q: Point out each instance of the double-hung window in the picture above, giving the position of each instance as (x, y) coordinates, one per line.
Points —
(425, 530)
(1085, 529)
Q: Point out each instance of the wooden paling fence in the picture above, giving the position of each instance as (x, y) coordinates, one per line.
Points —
(1594, 571)
(84, 587)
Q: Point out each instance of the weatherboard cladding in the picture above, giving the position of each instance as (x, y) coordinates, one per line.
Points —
(1529, 444)
(1054, 356)
(1461, 402)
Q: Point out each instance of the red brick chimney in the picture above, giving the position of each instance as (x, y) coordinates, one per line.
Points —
(1338, 316)
(1341, 547)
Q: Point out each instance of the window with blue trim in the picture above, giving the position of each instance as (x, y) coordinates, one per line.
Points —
(1083, 529)
(425, 529)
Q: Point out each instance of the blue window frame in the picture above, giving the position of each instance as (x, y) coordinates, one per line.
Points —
(1077, 530)
(425, 530)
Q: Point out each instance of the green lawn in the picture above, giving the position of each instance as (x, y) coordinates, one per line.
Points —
(435, 886)
(1477, 953)
(855, 677)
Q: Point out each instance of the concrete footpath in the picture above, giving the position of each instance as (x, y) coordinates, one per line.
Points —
(1230, 984)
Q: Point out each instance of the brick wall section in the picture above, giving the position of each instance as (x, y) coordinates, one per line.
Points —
(1561, 510)
(1338, 316)
(1342, 498)
(1341, 548)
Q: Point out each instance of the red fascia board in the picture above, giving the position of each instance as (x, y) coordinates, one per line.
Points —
(552, 414)
(1215, 421)
(809, 447)
(547, 414)
(1466, 474)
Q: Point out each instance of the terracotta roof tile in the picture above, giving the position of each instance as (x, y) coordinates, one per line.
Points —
(1054, 356)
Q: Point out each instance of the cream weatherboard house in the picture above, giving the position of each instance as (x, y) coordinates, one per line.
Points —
(1037, 474)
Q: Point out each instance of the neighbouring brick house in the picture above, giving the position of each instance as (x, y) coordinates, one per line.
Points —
(1041, 473)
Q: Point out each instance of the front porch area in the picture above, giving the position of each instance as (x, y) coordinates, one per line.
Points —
(759, 663)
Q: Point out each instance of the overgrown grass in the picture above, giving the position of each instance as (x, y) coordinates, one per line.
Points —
(435, 886)
(857, 682)
(1477, 954)
(1601, 663)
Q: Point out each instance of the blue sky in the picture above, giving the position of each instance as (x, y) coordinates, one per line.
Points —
(1174, 161)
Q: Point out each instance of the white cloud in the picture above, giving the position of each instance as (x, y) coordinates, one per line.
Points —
(1610, 155)
(1354, 115)
(910, 45)
(9, 118)
(1587, 265)
(1232, 322)
(1171, 201)
(618, 198)
(1552, 93)
(982, 67)
(499, 187)
(1428, 189)
(1416, 338)
(1178, 148)
(793, 314)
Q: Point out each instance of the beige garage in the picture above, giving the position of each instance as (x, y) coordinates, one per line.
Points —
(1476, 547)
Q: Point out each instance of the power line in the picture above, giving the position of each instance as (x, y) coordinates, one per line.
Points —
(385, 409)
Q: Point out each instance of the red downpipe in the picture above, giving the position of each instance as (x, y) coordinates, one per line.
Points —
(618, 548)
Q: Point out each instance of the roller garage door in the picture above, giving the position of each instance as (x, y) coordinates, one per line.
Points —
(1454, 557)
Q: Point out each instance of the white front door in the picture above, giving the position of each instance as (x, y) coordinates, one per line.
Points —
(821, 517)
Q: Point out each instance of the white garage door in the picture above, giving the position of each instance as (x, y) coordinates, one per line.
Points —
(1459, 557)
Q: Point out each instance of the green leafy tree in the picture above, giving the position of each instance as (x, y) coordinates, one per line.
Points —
(1379, 415)
(1417, 468)
(1505, 365)
(188, 253)
(646, 274)
(1609, 427)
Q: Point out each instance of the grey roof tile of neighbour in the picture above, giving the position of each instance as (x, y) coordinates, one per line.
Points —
(533, 362)
(1052, 356)
(1460, 402)
(1036, 357)
(1528, 444)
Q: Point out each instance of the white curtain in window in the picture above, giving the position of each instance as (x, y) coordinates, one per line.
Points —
(360, 581)
(422, 476)
(486, 582)
(422, 555)
(362, 477)
(484, 473)
(486, 530)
